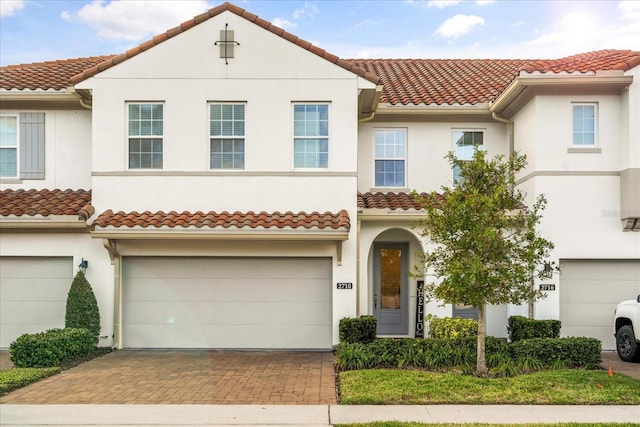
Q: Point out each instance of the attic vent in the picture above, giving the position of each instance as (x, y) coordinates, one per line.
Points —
(226, 43)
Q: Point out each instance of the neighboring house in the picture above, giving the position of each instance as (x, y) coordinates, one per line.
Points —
(234, 186)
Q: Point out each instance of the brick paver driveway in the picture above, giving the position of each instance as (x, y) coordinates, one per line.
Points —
(189, 377)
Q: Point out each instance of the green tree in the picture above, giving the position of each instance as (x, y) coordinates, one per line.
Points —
(486, 245)
(82, 308)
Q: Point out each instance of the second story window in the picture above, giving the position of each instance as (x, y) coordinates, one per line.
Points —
(226, 130)
(145, 130)
(311, 136)
(9, 146)
(584, 124)
(465, 142)
(390, 157)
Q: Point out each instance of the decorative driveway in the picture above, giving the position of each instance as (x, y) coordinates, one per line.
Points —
(189, 377)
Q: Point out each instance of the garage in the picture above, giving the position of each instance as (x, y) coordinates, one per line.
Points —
(33, 295)
(227, 303)
(590, 291)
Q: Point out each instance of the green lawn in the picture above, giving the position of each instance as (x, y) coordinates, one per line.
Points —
(400, 424)
(554, 387)
(15, 378)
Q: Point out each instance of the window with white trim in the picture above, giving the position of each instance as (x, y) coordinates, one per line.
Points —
(145, 132)
(226, 131)
(584, 124)
(311, 136)
(465, 143)
(8, 146)
(390, 157)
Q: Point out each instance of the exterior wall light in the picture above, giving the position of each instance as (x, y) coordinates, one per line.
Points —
(83, 265)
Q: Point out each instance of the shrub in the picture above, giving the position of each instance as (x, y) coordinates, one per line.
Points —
(554, 353)
(521, 328)
(12, 379)
(82, 308)
(50, 348)
(358, 330)
(452, 327)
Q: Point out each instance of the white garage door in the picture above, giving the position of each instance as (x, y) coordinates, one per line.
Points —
(227, 303)
(590, 291)
(33, 295)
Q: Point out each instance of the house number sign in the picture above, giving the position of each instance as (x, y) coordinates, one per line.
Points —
(420, 310)
(547, 286)
(344, 285)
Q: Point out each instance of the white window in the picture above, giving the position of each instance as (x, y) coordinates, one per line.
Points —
(584, 124)
(226, 130)
(311, 136)
(465, 143)
(390, 157)
(9, 146)
(145, 130)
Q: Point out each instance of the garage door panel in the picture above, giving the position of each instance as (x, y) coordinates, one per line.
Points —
(227, 303)
(590, 291)
(39, 312)
(47, 289)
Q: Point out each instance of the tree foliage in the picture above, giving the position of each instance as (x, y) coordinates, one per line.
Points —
(82, 308)
(486, 245)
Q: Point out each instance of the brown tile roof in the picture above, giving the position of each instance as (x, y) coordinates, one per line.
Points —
(46, 202)
(276, 220)
(89, 72)
(46, 75)
(623, 60)
(391, 201)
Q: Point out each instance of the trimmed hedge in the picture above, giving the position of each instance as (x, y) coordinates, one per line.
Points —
(452, 327)
(574, 352)
(358, 330)
(82, 308)
(51, 348)
(460, 353)
(521, 328)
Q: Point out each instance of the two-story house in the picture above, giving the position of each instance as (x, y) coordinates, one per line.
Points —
(234, 186)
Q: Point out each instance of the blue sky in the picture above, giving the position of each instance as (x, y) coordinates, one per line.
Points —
(38, 30)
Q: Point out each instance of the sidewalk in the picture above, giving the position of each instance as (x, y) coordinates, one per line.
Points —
(303, 415)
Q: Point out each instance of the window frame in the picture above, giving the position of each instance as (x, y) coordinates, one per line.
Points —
(242, 138)
(594, 130)
(318, 138)
(387, 158)
(17, 146)
(482, 146)
(143, 137)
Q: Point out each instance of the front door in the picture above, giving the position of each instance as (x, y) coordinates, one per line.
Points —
(390, 288)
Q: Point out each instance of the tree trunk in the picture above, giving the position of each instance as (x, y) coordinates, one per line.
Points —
(481, 362)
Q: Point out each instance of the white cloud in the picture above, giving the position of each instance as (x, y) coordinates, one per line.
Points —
(135, 19)
(459, 25)
(442, 3)
(484, 2)
(630, 10)
(9, 7)
(309, 10)
(283, 23)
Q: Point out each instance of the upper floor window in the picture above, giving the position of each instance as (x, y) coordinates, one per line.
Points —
(390, 157)
(584, 124)
(9, 146)
(145, 135)
(22, 143)
(310, 135)
(465, 142)
(226, 130)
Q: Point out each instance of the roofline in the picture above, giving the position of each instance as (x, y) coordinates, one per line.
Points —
(156, 40)
(224, 234)
(410, 109)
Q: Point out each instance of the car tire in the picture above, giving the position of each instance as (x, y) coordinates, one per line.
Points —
(626, 344)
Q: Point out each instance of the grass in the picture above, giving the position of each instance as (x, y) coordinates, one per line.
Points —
(554, 387)
(405, 424)
(12, 379)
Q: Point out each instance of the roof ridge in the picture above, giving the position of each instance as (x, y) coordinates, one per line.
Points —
(59, 61)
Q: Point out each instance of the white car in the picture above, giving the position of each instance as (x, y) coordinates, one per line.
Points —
(626, 329)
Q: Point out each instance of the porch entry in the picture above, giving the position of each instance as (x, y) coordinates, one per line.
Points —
(390, 289)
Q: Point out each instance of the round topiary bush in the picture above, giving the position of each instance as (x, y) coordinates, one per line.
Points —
(82, 308)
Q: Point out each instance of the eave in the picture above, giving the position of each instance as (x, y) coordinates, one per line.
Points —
(40, 99)
(397, 113)
(41, 223)
(390, 215)
(524, 88)
(221, 234)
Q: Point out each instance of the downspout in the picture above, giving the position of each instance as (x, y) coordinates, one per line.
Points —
(110, 246)
(358, 268)
(368, 118)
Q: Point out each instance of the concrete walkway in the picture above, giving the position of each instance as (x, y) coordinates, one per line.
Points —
(303, 415)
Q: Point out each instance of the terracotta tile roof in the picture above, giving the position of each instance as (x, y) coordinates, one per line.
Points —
(46, 75)
(441, 81)
(589, 62)
(46, 202)
(391, 201)
(275, 220)
(89, 72)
